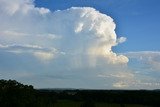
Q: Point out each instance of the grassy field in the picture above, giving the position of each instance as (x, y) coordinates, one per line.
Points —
(68, 103)
(118, 105)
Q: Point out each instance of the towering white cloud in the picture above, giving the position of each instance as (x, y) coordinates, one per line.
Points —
(76, 39)
(77, 30)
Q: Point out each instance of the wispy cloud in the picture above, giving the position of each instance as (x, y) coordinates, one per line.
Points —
(38, 51)
(150, 59)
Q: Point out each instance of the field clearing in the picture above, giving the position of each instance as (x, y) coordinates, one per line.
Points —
(68, 103)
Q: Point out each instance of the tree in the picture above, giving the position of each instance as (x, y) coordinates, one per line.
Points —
(15, 94)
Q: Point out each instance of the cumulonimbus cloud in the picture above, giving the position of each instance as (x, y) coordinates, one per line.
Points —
(79, 39)
(77, 30)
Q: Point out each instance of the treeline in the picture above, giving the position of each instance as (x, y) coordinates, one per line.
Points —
(121, 97)
(141, 97)
(15, 94)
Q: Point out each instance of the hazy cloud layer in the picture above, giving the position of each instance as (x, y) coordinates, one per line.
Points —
(53, 49)
(150, 59)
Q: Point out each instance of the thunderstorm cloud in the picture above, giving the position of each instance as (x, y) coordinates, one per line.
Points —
(39, 46)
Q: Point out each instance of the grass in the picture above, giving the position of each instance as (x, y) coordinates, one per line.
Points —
(107, 105)
(118, 105)
(68, 103)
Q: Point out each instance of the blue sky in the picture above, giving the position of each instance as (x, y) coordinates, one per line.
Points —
(93, 44)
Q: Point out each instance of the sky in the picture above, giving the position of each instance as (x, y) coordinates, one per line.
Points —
(91, 44)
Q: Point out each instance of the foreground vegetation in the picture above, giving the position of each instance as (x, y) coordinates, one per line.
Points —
(15, 94)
